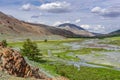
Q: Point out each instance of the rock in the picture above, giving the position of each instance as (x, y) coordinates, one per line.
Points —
(14, 63)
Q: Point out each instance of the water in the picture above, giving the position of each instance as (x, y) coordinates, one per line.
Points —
(105, 58)
(91, 44)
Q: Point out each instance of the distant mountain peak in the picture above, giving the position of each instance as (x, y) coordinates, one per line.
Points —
(71, 26)
(76, 29)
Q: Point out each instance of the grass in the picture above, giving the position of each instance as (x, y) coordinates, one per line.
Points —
(85, 73)
(71, 54)
(108, 66)
(60, 51)
(48, 43)
(112, 40)
(57, 49)
(54, 46)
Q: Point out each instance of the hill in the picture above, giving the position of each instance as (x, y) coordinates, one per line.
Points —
(11, 27)
(76, 29)
(117, 32)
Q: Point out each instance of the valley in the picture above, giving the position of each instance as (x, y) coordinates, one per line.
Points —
(95, 58)
(67, 51)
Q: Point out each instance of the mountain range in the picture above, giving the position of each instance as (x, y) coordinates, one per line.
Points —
(12, 28)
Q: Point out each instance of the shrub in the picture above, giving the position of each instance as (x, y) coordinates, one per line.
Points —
(45, 40)
(4, 42)
(30, 49)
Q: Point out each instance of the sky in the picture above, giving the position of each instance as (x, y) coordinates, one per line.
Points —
(100, 16)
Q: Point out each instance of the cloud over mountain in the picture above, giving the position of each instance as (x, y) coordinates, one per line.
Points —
(77, 21)
(27, 7)
(94, 28)
(52, 7)
(113, 11)
(36, 15)
(55, 7)
(92, 12)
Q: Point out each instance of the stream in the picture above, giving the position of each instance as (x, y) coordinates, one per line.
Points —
(110, 58)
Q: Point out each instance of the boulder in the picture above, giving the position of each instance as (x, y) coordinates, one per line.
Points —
(14, 63)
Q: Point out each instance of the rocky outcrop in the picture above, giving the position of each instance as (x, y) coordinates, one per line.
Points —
(14, 63)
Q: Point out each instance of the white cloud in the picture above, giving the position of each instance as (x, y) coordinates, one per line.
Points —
(99, 27)
(85, 26)
(66, 21)
(60, 22)
(30, 21)
(97, 10)
(57, 23)
(36, 15)
(93, 28)
(55, 7)
(33, 21)
(27, 7)
(77, 21)
(113, 11)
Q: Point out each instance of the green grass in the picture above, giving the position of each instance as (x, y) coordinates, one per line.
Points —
(85, 73)
(66, 54)
(15, 44)
(112, 40)
(84, 51)
(108, 66)
(61, 51)
(48, 43)
(55, 46)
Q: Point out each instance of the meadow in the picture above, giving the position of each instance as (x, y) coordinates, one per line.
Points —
(60, 57)
(112, 40)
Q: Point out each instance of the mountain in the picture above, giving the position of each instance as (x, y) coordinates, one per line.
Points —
(112, 34)
(76, 29)
(11, 28)
(117, 32)
(97, 34)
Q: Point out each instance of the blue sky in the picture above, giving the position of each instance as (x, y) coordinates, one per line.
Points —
(101, 16)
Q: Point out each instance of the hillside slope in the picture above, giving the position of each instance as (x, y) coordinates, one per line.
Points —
(76, 29)
(117, 32)
(11, 27)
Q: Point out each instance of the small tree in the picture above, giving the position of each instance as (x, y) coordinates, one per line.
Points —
(30, 49)
(45, 40)
(4, 42)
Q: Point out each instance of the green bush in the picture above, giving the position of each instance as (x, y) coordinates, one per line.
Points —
(4, 43)
(30, 49)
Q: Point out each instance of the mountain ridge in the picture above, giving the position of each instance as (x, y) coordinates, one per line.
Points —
(11, 27)
(76, 29)
(115, 32)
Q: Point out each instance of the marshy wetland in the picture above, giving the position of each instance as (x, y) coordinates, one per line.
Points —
(79, 58)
